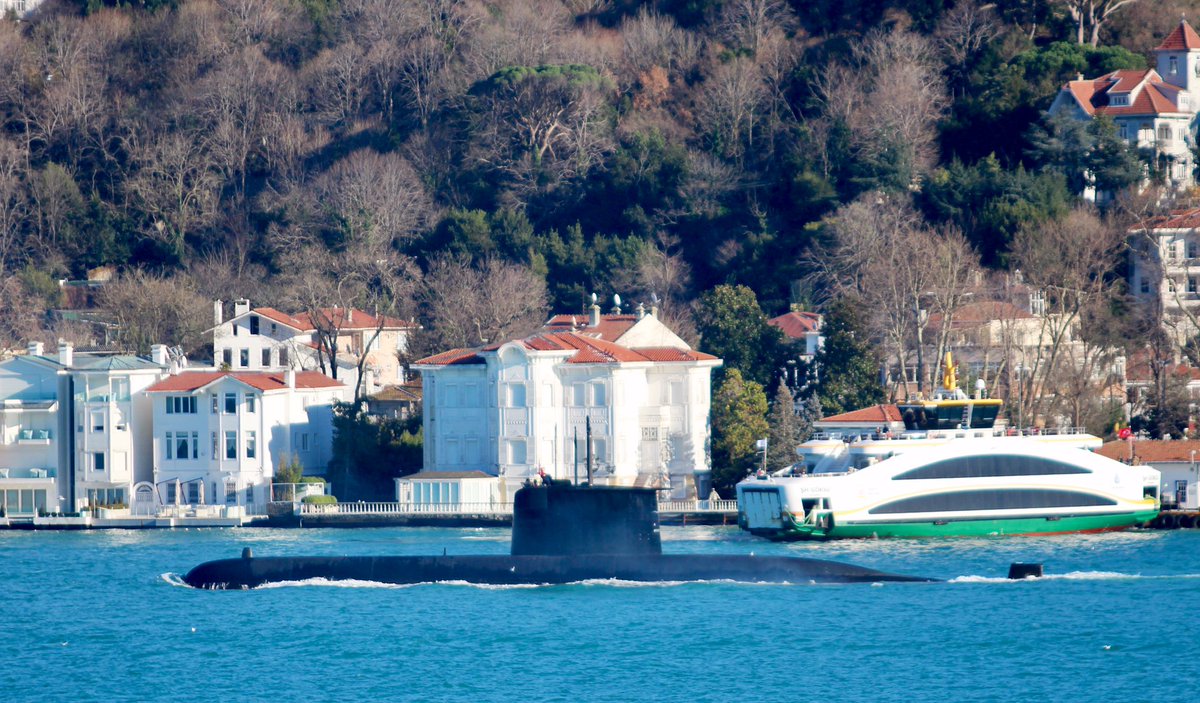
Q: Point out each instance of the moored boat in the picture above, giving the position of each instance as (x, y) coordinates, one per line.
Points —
(950, 472)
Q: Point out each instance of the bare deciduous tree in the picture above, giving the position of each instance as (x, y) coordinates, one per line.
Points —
(13, 206)
(176, 184)
(1090, 15)
(541, 126)
(889, 99)
(964, 31)
(151, 309)
(1068, 263)
(730, 106)
(493, 302)
(379, 282)
(747, 23)
(885, 255)
(375, 200)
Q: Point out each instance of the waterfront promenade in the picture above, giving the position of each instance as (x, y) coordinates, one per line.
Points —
(356, 514)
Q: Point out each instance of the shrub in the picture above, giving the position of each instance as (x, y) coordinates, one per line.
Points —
(319, 500)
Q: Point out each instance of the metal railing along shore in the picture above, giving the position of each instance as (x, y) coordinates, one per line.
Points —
(489, 508)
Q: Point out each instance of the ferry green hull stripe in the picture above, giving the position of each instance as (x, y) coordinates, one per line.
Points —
(968, 528)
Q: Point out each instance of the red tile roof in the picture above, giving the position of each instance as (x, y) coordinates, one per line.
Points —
(1183, 38)
(1178, 219)
(975, 314)
(587, 350)
(1155, 97)
(280, 317)
(262, 380)
(347, 319)
(358, 319)
(874, 414)
(1152, 450)
(610, 329)
(454, 357)
(796, 325)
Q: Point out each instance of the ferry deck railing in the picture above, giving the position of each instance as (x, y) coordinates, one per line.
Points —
(953, 434)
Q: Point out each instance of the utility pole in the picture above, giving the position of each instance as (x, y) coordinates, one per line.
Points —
(589, 450)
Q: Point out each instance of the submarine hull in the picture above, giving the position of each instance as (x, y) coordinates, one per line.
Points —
(540, 569)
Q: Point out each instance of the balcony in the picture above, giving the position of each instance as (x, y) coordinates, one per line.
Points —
(33, 437)
(27, 474)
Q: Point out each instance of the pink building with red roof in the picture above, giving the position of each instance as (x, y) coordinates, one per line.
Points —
(511, 409)
(219, 435)
(1153, 109)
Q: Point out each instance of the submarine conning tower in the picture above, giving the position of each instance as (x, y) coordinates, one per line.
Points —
(562, 519)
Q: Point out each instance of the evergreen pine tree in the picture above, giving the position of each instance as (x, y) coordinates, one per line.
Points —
(783, 431)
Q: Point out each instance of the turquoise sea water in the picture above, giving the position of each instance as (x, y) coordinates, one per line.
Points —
(100, 616)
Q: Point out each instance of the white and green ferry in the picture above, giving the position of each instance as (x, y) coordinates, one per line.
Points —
(950, 472)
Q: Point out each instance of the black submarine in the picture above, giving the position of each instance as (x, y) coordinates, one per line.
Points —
(562, 533)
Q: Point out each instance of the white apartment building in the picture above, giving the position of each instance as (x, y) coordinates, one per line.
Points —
(1153, 109)
(76, 428)
(267, 339)
(219, 435)
(112, 423)
(31, 424)
(512, 409)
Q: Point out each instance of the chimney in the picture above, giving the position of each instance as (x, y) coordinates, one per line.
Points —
(289, 378)
(158, 354)
(218, 313)
(241, 306)
(349, 316)
(36, 349)
(595, 320)
(641, 311)
(66, 353)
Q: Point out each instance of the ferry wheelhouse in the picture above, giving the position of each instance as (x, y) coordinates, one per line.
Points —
(949, 472)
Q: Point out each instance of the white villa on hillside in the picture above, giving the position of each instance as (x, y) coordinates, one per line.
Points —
(266, 339)
(511, 409)
(218, 435)
(1152, 109)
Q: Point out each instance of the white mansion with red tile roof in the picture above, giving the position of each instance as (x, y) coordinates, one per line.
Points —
(1154, 108)
(218, 435)
(267, 339)
(513, 408)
